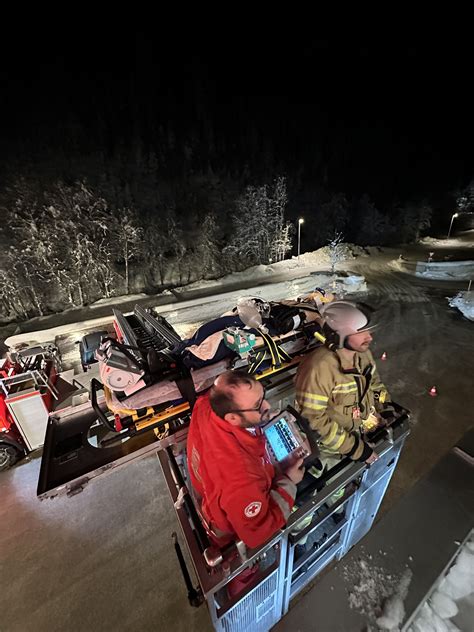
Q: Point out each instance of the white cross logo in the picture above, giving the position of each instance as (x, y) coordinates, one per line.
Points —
(253, 509)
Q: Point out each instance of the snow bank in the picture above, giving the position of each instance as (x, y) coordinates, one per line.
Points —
(453, 598)
(462, 270)
(464, 301)
(463, 240)
(307, 261)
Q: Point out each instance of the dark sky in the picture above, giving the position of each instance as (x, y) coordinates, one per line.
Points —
(370, 105)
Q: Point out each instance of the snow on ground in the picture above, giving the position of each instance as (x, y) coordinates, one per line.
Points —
(445, 270)
(451, 604)
(114, 300)
(307, 262)
(463, 240)
(464, 301)
(374, 593)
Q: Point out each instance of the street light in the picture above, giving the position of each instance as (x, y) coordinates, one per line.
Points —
(300, 221)
(451, 224)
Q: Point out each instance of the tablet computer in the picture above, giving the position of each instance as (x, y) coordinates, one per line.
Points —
(284, 440)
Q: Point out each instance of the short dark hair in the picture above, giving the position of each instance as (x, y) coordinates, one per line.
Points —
(222, 395)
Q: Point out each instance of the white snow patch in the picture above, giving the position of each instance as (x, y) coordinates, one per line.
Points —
(308, 261)
(452, 598)
(464, 240)
(375, 594)
(445, 270)
(464, 301)
(394, 609)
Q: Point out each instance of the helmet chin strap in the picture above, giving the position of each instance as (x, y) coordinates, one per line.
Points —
(347, 345)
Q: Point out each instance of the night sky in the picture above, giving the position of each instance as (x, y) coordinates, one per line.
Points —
(388, 115)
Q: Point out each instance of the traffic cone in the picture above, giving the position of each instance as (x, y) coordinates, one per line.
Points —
(433, 391)
(383, 356)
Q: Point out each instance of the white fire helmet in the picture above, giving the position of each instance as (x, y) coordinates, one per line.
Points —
(345, 319)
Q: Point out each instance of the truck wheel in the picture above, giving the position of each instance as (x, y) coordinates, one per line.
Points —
(8, 456)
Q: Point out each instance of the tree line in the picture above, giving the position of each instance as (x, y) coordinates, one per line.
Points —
(69, 243)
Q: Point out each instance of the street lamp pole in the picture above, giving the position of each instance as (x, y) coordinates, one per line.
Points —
(300, 221)
(451, 224)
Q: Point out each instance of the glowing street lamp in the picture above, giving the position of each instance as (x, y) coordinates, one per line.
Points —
(300, 221)
(451, 224)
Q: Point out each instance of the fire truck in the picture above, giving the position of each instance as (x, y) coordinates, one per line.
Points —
(32, 387)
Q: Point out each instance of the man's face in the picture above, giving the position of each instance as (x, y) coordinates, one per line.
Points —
(360, 342)
(251, 408)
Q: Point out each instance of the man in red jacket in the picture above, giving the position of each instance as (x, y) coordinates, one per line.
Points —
(242, 496)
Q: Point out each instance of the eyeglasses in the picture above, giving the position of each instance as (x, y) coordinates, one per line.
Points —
(257, 409)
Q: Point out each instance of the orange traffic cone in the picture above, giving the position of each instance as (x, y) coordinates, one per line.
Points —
(383, 356)
(433, 391)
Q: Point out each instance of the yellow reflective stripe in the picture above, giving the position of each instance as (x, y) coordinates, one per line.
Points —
(344, 387)
(332, 434)
(310, 396)
(340, 441)
(314, 406)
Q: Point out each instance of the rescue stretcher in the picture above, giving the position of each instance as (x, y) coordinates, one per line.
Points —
(147, 384)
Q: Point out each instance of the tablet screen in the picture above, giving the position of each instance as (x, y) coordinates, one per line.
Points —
(281, 439)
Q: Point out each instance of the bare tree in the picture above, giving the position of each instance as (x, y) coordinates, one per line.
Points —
(207, 253)
(336, 253)
(260, 231)
(10, 295)
(177, 245)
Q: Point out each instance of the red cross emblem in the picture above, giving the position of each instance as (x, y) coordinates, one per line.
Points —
(253, 509)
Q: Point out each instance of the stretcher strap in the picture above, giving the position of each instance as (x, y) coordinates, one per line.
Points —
(277, 354)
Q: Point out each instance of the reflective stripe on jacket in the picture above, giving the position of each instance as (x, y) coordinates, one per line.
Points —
(230, 470)
(328, 392)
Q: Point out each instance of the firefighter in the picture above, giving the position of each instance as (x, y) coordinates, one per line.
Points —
(241, 495)
(338, 388)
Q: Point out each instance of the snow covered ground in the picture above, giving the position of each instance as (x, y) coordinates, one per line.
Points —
(448, 270)
(464, 301)
(465, 238)
(450, 607)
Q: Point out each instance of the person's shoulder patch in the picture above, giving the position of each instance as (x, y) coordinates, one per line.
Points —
(253, 509)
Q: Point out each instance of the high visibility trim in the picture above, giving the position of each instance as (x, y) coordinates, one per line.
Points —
(346, 386)
(340, 441)
(332, 433)
(313, 406)
(311, 396)
(340, 432)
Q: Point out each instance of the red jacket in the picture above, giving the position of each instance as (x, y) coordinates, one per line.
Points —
(230, 470)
